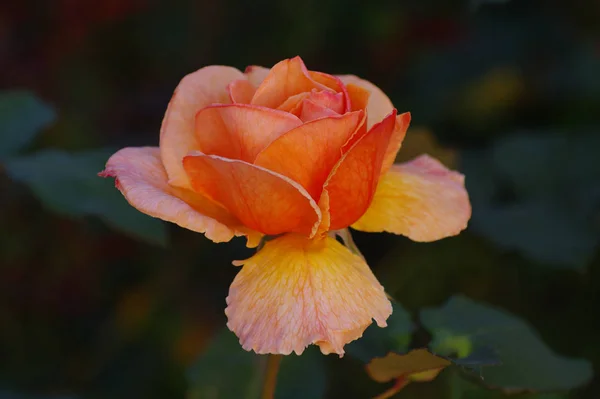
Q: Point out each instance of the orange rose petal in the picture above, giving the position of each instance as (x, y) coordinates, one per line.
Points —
(420, 199)
(379, 104)
(359, 97)
(334, 83)
(307, 153)
(402, 122)
(241, 91)
(256, 74)
(286, 78)
(312, 111)
(293, 104)
(261, 199)
(141, 177)
(195, 91)
(295, 292)
(353, 181)
(240, 131)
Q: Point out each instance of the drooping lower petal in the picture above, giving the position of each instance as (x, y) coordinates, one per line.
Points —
(142, 179)
(195, 91)
(352, 183)
(295, 292)
(240, 131)
(420, 199)
(285, 79)
(307, 153)
(261, 199)
(379, 104)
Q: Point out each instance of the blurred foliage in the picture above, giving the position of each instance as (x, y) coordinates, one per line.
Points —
(22, 117)
(507, 92)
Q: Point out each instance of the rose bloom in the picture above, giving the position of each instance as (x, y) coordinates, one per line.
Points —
(296, 155)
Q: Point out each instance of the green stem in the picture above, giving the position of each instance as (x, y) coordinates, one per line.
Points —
(270, 376)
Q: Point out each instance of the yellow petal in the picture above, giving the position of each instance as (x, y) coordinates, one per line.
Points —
(421, 199)
(378, 105)
(195, 91)
(295, 292)
(141, 177)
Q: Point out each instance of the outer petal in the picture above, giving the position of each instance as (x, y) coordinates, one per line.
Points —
(308, 153)
(261, 199)
(420, 199)
(256, 74)
(295, 292)
(352, 183)
(195, 91)
(286, 78)
(142, 179)
(402, 122)
(379, 104)
(241, 91)
(240, 131)
(359, 97)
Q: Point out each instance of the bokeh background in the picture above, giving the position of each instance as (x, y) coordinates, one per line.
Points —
(97, 301)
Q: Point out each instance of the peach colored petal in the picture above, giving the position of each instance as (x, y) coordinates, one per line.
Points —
(286, 78)
(402, 123)
(353, 181)
(141, 177)
(311, 111)
(307, 153)
(379, 104)
(334, 83)
(195, 91)
(316, 104)
(295, 292)
(261, 199)
(420, 199)
(240, 131)
(241, 91)
(256, 74)
(293, 104)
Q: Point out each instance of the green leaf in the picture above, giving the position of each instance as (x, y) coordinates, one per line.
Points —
(377, 342)
(302, 377)
(22, 117)
(536, 194)
(226, 371)
(69, 184)
(527, 363)
(462, 388)
(395, 365)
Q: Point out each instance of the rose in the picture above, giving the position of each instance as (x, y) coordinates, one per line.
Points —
(296, 154)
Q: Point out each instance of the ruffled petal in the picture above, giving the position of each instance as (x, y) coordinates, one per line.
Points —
(379, 104)
(261, 199)
(307, 153)
(287, 78)
(353, 181)
(295, 292)
(334, 83)
(240, 131)
(141, 177)
(240, 91)
(420, 199)
(195, 91)
(320, 104)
